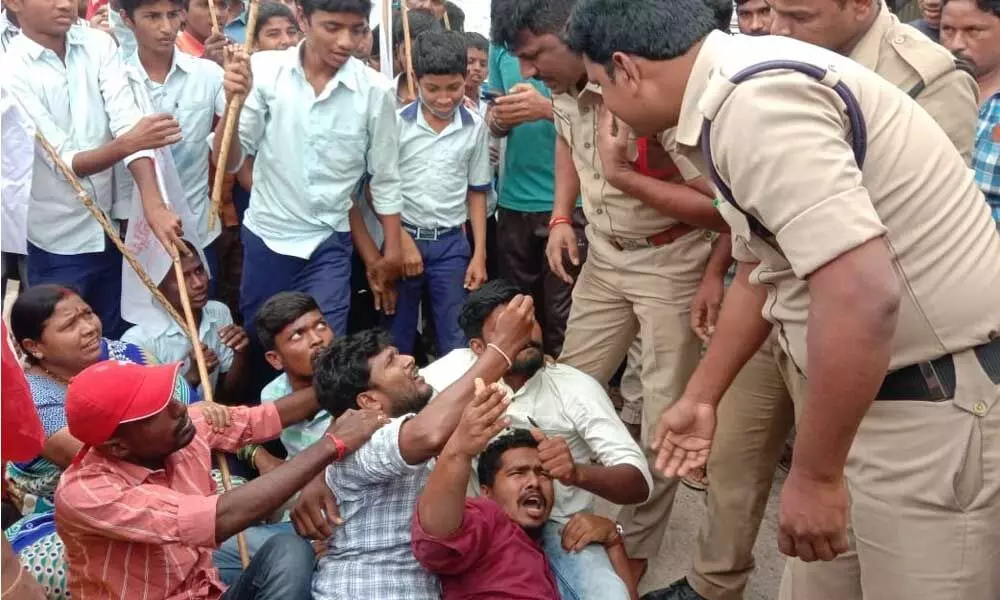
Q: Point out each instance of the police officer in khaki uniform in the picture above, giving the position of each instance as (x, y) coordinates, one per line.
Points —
(756, 414)
(854, 219)
(644, 261)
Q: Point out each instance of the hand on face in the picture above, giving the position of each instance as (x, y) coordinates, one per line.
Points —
(482, 420)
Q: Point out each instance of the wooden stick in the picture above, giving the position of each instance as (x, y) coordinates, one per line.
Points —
(215, 16)
(235, 103)
(206, 385)
(109, 229)
(447, 21)
(407, 47)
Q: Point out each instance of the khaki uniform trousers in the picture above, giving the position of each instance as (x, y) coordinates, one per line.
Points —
(648, 292)
(754, 419)
(924, 483)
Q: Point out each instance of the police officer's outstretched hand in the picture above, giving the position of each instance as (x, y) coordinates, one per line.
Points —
(812, 521)
(562, 246)
(683, 437)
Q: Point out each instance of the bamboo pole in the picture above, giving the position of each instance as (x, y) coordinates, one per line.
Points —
(215, 16)
(230, 127)
(447, 21)
(185, 324)
(408, 49)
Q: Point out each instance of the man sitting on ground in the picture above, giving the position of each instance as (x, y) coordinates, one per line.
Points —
(490, 546)
(587, 450)
(137, 509)
(369, 556)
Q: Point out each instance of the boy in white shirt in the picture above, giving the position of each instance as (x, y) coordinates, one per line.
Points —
(71, 82)
(444, 166)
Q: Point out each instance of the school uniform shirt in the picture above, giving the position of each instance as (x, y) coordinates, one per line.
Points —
(18, 148)
(193, 93)
(172, 344)
(564, 402)
(313, 149)
(438, 170)
(8, 31)
(489, 556)
(924, 201)
(296, 438)
(80, 104)
(125, 36)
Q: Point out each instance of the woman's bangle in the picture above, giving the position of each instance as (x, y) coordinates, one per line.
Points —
(339, 443)
(559, 221)
(510, 364)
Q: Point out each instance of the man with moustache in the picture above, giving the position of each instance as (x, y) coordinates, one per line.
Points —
(753, 17)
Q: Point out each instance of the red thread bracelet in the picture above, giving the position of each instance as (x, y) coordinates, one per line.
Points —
(339, 443)
(559, 221)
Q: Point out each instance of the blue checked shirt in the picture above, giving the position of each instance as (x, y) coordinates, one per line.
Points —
(986, 154)
(369, 556)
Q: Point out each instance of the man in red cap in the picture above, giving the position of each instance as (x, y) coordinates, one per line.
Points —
(137, 509)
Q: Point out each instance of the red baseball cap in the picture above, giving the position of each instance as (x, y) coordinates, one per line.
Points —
(105, 395)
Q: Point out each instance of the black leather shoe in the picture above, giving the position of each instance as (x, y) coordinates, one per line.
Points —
(678, 590)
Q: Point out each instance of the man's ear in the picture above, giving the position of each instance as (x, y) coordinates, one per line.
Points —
(625, 71)
(115, 447)
(477, 345)
(485, 491)
(368, 400)
(274, 360)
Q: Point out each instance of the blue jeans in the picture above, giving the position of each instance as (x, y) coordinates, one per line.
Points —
(227, 557)
(445, 262)
(584, 575)
(326, 276)
(281, 570)
(96, 276)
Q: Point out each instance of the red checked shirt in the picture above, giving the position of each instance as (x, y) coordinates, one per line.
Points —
(134, 533)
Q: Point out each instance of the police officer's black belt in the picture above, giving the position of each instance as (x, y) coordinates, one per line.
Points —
(934, 381)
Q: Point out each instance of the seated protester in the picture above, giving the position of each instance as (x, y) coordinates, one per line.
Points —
(138, 496)
(445, 171)
(491, 546)
(421, 21)
(60, 336)
(588, 450)
(369, 555)
(223, 343)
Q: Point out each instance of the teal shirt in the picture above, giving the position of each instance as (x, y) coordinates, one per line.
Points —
(528, 182)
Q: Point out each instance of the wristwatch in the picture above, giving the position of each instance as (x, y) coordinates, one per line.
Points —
(619, 536)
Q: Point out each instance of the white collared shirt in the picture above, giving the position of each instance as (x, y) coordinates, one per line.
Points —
(564, 402)
(438, 170)
(18, 149)
(313, 149)
(172, 344)
(78, 105)
(8, 31)
(193, 93)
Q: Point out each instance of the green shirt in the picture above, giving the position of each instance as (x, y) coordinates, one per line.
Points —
(528, 182)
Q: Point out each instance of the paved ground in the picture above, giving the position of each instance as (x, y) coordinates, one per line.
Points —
(679, 546)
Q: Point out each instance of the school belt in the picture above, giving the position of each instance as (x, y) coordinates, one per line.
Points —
(667, 236)
(429, 233)
(934, 381)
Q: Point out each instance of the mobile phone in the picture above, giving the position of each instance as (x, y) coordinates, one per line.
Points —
(491, 95)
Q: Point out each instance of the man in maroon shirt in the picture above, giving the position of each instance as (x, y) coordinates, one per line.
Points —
(489, 547)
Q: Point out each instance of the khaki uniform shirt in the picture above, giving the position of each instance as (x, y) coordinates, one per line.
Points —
(609, 211)
(926, 71)
(780, 140)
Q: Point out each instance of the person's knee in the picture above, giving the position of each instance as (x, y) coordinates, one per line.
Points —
(289, 555)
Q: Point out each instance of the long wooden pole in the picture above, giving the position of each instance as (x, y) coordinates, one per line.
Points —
(230, 127)
(206, 385)
(186, 324)
(447, 21)
(215, 16)
(408, 49)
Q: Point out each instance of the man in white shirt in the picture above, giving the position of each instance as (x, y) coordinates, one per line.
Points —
(190, 89)
(598, 457)
(317, 119)
(71, 82)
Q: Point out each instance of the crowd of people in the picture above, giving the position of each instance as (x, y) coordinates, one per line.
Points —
(460, 298)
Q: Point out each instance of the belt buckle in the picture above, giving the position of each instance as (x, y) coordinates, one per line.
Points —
(627, 244)
(427, 234)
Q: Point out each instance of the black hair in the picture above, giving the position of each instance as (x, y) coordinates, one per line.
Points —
(476, 41)
(508, 18)
(272, 10)
(723, 11)
(280, 311)
(456, 16)
(481, 302)
(440, 53)
(492, 456)
(376, 39)
(342, 371)
(33, 307)
(130, 6)
(355, 7)
(421, 21)
(986, 6)
(651, 29)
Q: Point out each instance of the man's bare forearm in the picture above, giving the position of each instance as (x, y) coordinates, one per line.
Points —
(739, 332)
(297, 406)
(722, 256)
(100, 159)
(442, 502)
(621, 484)
(674, 200)
(567, 184)
(853, 306)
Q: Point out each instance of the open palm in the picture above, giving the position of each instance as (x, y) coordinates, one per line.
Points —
(683, 437)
